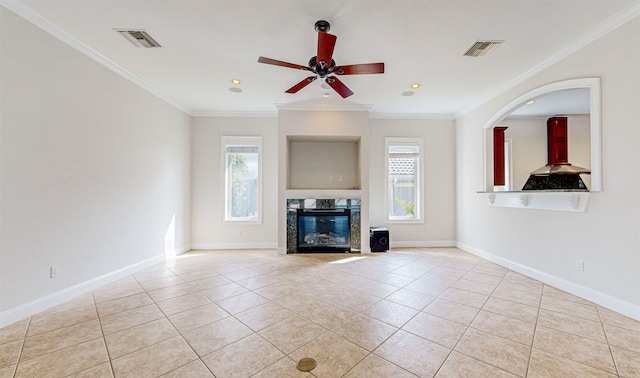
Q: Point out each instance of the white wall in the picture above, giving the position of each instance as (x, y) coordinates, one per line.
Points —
(438, 136)
(210, 232)
(95, 172)
(323, 165)
(547, 244)
(208, 229)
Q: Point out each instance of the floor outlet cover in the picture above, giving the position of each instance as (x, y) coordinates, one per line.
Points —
(306, 364)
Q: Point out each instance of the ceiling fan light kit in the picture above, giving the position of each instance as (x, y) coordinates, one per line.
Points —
(323, 65)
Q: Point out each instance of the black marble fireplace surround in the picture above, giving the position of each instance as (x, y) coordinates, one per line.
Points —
(294, 205)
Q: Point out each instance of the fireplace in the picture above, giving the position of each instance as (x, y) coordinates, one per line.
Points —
(324, 230)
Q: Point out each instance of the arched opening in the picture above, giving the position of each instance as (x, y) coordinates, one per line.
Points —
(576, 98)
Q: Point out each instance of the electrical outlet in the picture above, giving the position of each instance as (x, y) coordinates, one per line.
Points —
(54, 271)
(580, 265)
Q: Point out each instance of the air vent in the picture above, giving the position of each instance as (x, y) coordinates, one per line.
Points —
(482, 48)
(139, 38)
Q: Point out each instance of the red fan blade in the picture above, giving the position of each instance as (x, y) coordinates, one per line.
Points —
(264, 60)
(301, 84)
(357, 69)
(326, 43)
(339, 87)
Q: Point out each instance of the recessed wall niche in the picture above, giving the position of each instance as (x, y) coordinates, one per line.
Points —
(323, 162)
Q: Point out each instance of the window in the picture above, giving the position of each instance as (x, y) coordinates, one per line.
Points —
(243, 179)
(404, 179)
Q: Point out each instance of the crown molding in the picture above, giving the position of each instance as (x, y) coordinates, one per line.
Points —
(605, 27)
(239, 114)
(28, 14)
(265, 114)
(323, 107)
(440, 117)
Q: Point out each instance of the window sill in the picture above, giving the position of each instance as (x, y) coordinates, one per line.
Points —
(560, 200)
(404, 221)
(242, 222)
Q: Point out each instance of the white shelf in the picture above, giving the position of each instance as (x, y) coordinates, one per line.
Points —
(573, 201)
(323, 193)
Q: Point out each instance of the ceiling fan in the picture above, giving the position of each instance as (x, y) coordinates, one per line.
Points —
(323, 65)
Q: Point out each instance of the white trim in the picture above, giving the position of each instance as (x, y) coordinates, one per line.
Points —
(419, 208)
(48, 301)
(321, 107)
(55, 31)
(254, 141)
(595, 123)
(240, 245)
(185, 248)
(220, 114)
(576, 202)
(612, 23)
(605, 300)
(442, 117)
(422, 244)
(593, 83)
(508, 160)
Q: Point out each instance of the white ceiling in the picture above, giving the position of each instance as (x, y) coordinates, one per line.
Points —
(574, 101)
(206, 43)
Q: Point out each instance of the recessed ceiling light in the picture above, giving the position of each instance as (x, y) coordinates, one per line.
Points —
(235, 90)
(235, 81)
(325, 95)
(408, 93)
(531, 102)
(415, 85)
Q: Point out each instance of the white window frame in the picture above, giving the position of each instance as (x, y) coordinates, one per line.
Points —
(226, 210)
(419, 206)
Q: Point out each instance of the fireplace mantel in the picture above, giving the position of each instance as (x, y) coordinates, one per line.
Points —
(554, 200)
(324, 193)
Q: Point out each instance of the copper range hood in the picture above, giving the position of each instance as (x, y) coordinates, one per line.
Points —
(558, 174)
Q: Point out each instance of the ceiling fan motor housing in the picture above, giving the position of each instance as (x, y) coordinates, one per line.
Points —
(321, 71)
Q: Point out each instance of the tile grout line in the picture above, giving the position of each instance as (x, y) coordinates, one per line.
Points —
(453, 349)
(535, 331)
(104, 338)
(198, 358)
(615, 363)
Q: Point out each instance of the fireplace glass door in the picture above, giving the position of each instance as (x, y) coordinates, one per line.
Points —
(324, 230)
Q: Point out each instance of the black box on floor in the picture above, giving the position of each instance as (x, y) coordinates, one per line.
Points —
(379, 239)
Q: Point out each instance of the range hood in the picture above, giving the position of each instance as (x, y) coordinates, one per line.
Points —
(558, 174)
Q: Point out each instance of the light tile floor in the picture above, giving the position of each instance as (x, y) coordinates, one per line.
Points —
(405, 313)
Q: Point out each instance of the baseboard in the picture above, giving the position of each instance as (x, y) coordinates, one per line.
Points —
(422, 244)
(246, 245)
(605, 300)
(183, 249)
(38, 305)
